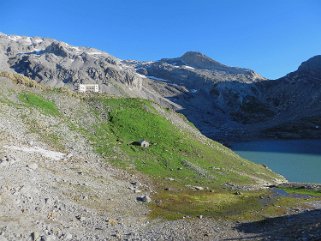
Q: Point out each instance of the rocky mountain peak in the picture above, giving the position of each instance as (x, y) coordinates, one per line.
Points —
(57, 49)
(311, 66)
(199, 60)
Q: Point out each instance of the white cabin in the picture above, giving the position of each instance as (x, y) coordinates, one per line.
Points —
(82, 88)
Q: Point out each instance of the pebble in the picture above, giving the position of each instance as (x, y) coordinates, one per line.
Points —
(198, 188)
(33, 166)
(68, 236)
(144, 198)
(35, 236)
(81, 218)
(170, 179)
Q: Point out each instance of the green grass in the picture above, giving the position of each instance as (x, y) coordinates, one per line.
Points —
(33, 100)
(173, 153)
(174, 205)
(302, 191)
(176, 154)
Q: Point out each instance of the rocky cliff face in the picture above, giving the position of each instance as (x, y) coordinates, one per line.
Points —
(59, 64)
(228, 103)
(217, 98)
(296, 98)
(224, 102)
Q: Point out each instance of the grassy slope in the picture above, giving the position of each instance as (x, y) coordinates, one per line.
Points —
(33, 100)
(173, 153)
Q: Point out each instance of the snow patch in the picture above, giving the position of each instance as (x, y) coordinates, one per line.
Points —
(193, 91)
(188, 67)
(95, 53)
(155, 78)
(14, 38)
(141, 75)
(57, 156)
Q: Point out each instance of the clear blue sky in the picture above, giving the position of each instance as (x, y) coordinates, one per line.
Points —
(271, 37)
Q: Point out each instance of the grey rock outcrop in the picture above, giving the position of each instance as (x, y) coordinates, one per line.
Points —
(59, 64)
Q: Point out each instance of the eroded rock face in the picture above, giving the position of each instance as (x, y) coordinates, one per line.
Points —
(195, 71)
(312, 66)
(59, 64)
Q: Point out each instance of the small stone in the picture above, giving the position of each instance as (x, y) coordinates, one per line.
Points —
(198, 188)
(134, 183)
(144, 198)
(80, 218)
(68, 236)
(170, 179)
(33, 166)
(35, 236)
(48, 238)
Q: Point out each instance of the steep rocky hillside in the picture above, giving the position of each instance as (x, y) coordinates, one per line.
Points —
(297, 101)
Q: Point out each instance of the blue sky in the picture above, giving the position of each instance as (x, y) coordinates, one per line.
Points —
(271, 37)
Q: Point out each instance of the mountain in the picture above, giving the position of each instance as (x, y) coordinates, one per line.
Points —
(296, 98)
(233, 104)
(194, 70)
(225, 103)
(59, 64)
(206, 91)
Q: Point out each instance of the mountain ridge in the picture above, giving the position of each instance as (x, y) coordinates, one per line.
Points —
(225, 103)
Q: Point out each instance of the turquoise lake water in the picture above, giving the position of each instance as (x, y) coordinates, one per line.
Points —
(296, 160)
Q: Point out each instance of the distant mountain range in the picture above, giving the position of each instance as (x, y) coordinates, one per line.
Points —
(225, 103)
